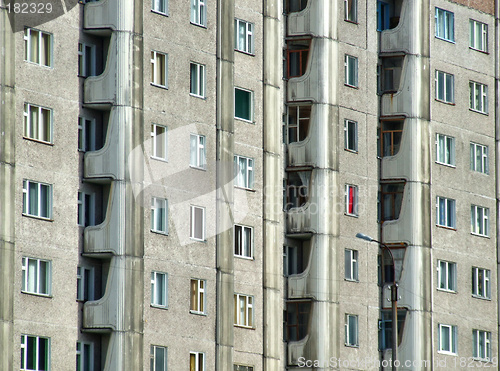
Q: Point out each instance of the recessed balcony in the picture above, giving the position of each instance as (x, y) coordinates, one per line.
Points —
(100, 17)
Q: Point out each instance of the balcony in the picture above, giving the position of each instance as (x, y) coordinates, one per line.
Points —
(102, 16)
(105, 238)
(395, 20)
(108, 161)
(302, 285)
(299, 221)
(313, 19)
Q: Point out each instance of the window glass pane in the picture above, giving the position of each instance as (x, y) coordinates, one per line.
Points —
(247, 242)
(347, 262)
(198, 223)
(31, 353)
(193, 151)
(160, 359)
(32, 275)
(242, 104)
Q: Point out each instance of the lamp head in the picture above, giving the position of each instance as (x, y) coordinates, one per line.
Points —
(365, 237)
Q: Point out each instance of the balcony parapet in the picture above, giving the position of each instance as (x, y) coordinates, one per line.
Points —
(302, 285)
(299, 220)
(313, 20)
(116, 15)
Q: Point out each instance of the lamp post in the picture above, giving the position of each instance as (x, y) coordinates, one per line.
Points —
(394, 299)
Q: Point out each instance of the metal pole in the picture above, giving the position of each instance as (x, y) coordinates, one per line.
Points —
(394, 301)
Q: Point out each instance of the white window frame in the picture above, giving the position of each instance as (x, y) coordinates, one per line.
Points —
(481, 166)
(245, 180)
(25, 351)
(159, 301)
(40, 130)
(478, 97)
(86, 201)
(39, 48)
(348, 189)
(156, 6)
(81, 355)
(485, 283)
(83, 49)
(37, 280)
(441, 82)
(157, 204)
(351, 261)
(197, 80)
(156, 65)
(447, 271)
(445, 150)
(198, 151)
(84, 276)
(153, 354)
(350, 129)
(478, 337)
(351, 12)
(192, 230)
(447, 31)
(348, 324)
(449, 205)
(156, 138)
(452, 336)
(478, 35)
(248, 45)
(199, 13)
(351, 61)
(240, 241)
(247, 319)
(86, 124)
(26, 199)
(479, 223)
(199, 291)
(251, 105)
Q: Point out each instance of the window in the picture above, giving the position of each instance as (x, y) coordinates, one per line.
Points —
(297, 54)
(293, 260)
(351, 330)
(198, 154)
(481, 343)
(447, 276)
(391, 200)
(84, 356)
(351, 135)
(37, 199)
(197, 296)
(159, 284)
(197, 230)
(243, 241)
(242, 368)
(86, 209)
(196, 361)
(86, 60)
(445, 208)
(479, 158)
(351, 71)
(35, 353)
(243, 310)
(385, 325)
(198, 12)
(298, 122)
(447, 339)
(351, 200)
(478, 35)
(36, 276)
(85, 278)
(297, 319)
(445, 28)
(37, 123)
(243, 36)
(351, 10)
(243, 104)
(160, 6)
(38, 47)
(159, 215)
(445, 85)
(445, 150)
(478, 97)
(481, 283)
(197, 87)
(391, 134)
(479, 220)
(351, 265)
(159, 142)
(243, 172)
(159, 71)
(86, 134)
(158, 358)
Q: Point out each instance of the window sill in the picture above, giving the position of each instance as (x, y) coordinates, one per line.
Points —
(447, 40)
(198, 168)
(245, 189)
(479, 50)
(38, 141)
(351, 215)
(351, 150)
(480, 112)
(159, 159)
(203, 314)
(351, 345)
(159, 232)
(159, 86)
(445, 164)
(35, 294)
(245, 327)
(198, 240)
(447, 291)
(445, 102)
(480, 172)
(351, 22)
(243, 257)
(38, 217)
(245, 52)
(38, 64)
(447, 353)
(485, 360)
(351, 280)
(199, 25)
(245, 120)
(159, 306)
(159, 13)
(198, 96)
(446, 227)
(351, 86)
(479, 235)
(481, 297)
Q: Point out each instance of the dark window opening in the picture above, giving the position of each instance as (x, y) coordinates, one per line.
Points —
(298, 122)
(388, 14)
(385, 328)
(391, 133)
(392, 199)
(297, 188)
(296, 55)
(295, 5)
(297, 319)
(391, 74)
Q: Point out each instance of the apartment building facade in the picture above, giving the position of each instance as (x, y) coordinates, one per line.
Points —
(182, 183)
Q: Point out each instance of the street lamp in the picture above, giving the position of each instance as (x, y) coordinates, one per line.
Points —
(394, 299)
